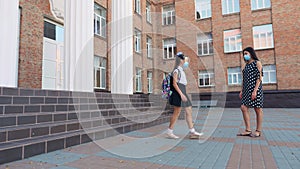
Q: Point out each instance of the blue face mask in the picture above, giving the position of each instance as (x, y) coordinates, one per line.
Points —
(247, 57)
(186, 65)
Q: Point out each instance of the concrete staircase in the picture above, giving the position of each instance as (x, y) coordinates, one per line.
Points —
(33, 122)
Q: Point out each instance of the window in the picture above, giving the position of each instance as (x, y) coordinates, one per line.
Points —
(138, 80)
(234, 76)
(260, 4)
(137, 41)
(148, 12)
(53, 31)
(206, 78)
(203, 9)
(269, 72)
(149, 47)
(169, 48)
(53, 63)
(138, 6)
(230, 6)
(205, 45)
(263, 36)
(99, 21)
(232, 41)
(99, 72)
(149, 79)
(168, 15)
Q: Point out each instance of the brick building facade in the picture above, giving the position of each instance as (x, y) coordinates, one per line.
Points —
(220, 29)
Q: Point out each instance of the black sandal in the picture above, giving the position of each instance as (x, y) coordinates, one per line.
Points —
(246, 133)
(256, 135)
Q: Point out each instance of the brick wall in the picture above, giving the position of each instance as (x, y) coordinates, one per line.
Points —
(285, 17)
(31, 42)
(284, 55)
(282, 15)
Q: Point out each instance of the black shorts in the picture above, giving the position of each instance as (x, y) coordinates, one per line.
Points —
(175, 98)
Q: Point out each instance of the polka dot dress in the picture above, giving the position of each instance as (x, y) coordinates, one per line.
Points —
(250, 76)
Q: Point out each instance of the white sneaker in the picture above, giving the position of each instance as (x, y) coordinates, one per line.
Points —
(172, 136)
(195, 135)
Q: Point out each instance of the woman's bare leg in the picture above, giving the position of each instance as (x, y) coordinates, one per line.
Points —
(246, 116)
(259, 119)
(174, 117)
(189, 118)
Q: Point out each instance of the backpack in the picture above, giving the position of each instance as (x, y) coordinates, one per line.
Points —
(167, 84)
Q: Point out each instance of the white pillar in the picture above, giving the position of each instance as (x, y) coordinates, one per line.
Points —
(122, 47)
(79, 45)
(9, 31)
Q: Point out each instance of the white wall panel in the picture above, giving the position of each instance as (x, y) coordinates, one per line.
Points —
(79, 45)
(122, 47)
(9, 30)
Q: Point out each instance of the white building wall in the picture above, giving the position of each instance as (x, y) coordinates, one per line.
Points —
(79, 45)
(122, 47)
(9, 31)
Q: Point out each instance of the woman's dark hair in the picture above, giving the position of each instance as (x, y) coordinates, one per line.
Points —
(252, 53)
(178, 58)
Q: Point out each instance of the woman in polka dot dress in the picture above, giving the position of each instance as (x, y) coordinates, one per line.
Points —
(252, 93)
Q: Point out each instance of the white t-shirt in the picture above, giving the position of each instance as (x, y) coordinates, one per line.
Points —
(181, 78)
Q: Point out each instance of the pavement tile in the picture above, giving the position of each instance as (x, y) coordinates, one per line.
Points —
(57, 157)
(278, 147)
(95, 162)
(27, 164)
(88, 149)
(63, 167)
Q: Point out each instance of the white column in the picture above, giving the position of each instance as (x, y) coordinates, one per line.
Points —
(122, 47)
(9, 31)
(79, 45)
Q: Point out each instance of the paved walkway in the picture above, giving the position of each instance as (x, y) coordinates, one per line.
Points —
(278, 147)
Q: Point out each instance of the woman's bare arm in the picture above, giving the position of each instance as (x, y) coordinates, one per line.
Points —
(175, 77)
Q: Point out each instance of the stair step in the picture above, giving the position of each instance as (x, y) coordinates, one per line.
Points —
(37, 130)
(33, 118)
(25, 148)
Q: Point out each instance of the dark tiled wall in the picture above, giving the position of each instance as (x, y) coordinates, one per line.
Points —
(272, 99)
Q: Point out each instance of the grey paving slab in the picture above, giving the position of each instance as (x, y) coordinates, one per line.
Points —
(278, 147)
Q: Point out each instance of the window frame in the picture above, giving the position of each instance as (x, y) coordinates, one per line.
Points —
(138, 80)
(201, 40)
(149, 46)
(100, 69)
(150, 82)
(234, 10)
(168, 12)
(237, 74)
(260, 39)
(61, 39)
(137, 6)
(211, 79)
(101, 19)
(206, 3)
(236, 43)
(269, 74)
(173, 46)
(256, 5)
(148, 12)
(137, 41)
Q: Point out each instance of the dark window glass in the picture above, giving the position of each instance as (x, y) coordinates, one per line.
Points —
(49, 30)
